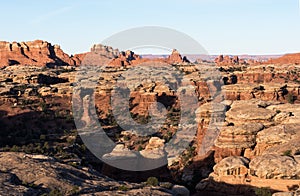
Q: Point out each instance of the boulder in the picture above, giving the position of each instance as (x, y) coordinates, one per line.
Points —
(178, 190)
(272, 166)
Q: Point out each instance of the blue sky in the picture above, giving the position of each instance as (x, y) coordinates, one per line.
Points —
(221, 26)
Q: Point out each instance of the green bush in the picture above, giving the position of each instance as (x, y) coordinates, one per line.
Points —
(43, 106)
(74, 191)
(140, 148)
(290, 98)
(123, 188)
(55, 192)
(263, 191)
(152, 181)
(287, 153)
(42, 137)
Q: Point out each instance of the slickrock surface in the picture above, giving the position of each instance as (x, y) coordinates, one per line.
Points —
(26, 175)
(249, 111)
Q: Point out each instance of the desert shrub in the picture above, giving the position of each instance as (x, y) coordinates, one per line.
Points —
(126, 138)
(263, 191)
(290, 98)
(287, 153)
(82, 148)
(152, 181)
(43, 106)
(189, 154)
(70, 140)
(123, 188)
(74, 191)
(55, 192)
(140, 148)
(15, 148)
(42, 137)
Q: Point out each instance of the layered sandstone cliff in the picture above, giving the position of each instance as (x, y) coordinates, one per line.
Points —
(35, 53)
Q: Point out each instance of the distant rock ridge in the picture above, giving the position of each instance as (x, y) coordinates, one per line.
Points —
(35, 53)
(129, 58)
(42, 53)
(286, 59)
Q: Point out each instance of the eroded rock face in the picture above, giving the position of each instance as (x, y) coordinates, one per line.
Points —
(234, 140)
(257, 127)
(273, 166)
(241, 136)
(265, 82)
(277, 139)
(37, 53)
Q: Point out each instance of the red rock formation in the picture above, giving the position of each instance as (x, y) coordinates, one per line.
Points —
(230, 61)
(176, 58)
(37, 53)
